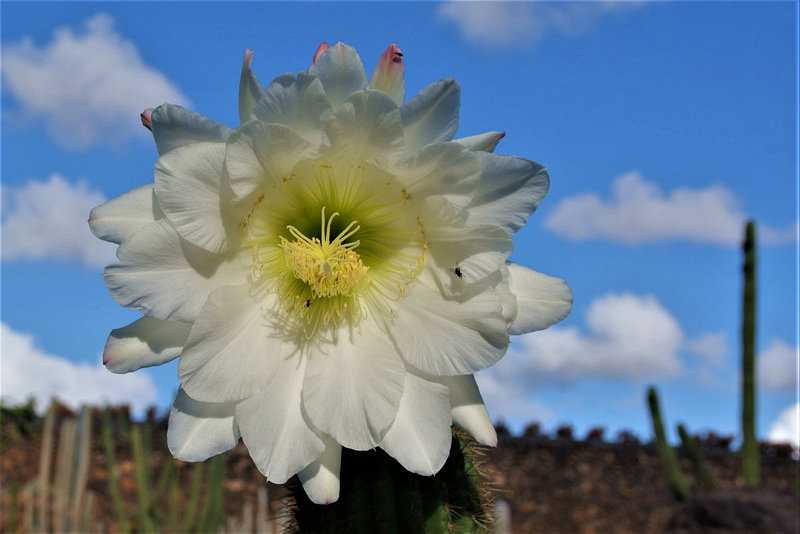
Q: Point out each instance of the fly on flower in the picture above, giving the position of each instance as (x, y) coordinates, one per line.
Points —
(301, 268)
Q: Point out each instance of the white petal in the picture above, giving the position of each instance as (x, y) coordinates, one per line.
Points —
(231, 353)
(249, 88)
(321, 478)
(367, 126)
(166, 277)
(260, 154)
(508, 300)
(542, 300)
(144, 343)
(442, 169)
(200, 430)
(432, 115)
(352, 390)
(459, 255)
(388, 75)
(174, 126)
(451, 336)
(118, 218)
(511, 189)
(274, 429)
(420, 436)
(469, 412)
(298, 103)
(486, 142)
(188, 184)
(341, 72)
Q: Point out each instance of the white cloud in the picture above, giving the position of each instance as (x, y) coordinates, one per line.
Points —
(88, 87)
(27, 371)
(510, 401)
(640, 212)
(509, 24)
(785, 428)
(712, 347)
(630, 337)
(777, 367)
(47, 220)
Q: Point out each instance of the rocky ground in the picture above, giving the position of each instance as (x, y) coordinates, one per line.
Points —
(552, 483)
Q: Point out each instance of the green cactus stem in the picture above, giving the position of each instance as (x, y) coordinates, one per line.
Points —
(198, 476)
(692, 451)
(212, 511)
(750, 452)
(379, 496)
(141, 461)
(45, 465)
(676, 481)
(113, 480)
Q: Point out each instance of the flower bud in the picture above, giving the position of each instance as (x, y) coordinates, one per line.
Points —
(485, 142)
(322, 47)
(146, 120)
(388, 74)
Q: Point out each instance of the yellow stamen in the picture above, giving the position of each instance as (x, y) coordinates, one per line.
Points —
(329, 267)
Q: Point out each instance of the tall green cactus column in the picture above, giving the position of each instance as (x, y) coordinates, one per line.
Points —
(750, 452)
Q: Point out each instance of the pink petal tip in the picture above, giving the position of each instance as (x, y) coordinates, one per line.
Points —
(146, 118)
(322, 47)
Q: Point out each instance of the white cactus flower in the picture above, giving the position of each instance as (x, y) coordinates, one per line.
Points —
(331, 273)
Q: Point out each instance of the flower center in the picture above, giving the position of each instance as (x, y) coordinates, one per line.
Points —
(329, 267)
(341, 268)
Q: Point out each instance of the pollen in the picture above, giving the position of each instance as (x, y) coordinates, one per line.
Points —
(330, 267)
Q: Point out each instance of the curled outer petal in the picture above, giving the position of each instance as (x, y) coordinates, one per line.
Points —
(320, 478)
(299, 103)
(471, 333)
(279, 438)
(352, 390)
(485, 142)
(431, 116)
(468, 409)
(230, 335)
(166, 277)
(510, 190)
(200, 430)
(419, 437)
(120, 217)
(542, 300)
(341, 72)
(174, 126)
(366, 126)
(144, 343)
(249, 88)
(188, 182)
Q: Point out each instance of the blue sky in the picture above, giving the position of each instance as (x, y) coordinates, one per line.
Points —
(663, 125)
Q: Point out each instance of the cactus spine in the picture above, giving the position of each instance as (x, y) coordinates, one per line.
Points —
(379, 495)
(692, 451)
(750, 452)
(668, 457)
